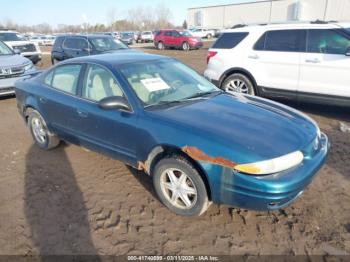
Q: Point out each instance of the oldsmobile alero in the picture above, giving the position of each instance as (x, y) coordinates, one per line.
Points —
(199, 144)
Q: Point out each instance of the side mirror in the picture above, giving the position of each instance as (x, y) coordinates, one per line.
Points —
(17, 51)
(347, 53)
(114, 102)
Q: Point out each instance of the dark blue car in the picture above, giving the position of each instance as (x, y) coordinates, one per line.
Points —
(155, 114)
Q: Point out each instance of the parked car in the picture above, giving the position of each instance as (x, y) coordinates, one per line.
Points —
(16, 41)
(198, 143)
(305, 62)
(203, 33)
(177, 39)
(127, 38)
(146, 37)
(70, 46)
(42, 40)
(13, 66)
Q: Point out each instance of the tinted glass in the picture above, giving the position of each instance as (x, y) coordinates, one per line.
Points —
(104, 44)
(155, 82)
(327, 41)
(99, 83)
(168, 33)
(285, 40)
(75, 43)
(229, 40)
(10, 37)
(260, 44)
(66, 78)
(58, 42)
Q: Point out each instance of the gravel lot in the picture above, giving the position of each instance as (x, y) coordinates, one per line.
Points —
(72, 201)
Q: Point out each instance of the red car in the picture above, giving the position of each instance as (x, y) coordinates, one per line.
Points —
(178, 39)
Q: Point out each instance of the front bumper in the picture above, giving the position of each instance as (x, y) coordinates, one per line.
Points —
(7, 85)
(196, 45)
(269, 192)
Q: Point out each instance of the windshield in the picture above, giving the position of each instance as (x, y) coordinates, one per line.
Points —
(185, 33)
(5, 50)
(10, 37)
(165, 81)
(104, 44)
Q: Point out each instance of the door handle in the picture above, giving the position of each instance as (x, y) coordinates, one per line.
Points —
(82, 113)
(314, 60)
(42, 100)
(253, 56)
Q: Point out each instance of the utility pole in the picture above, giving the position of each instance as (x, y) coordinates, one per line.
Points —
(270, 11)
(325, 11)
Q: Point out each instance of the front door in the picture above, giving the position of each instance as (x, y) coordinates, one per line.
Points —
(108, 131)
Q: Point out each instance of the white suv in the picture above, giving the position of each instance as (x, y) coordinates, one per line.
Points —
(305, 62)
(16, 42)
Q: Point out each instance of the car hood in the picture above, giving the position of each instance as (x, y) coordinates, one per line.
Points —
(264, 128)
(13, 60)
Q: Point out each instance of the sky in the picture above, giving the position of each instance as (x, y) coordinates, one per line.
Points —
(54, 12)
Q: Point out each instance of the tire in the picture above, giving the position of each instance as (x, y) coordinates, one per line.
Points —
(42, 137)
(238, 83)
(209, 36)
(185, 46)
(160, 46)
(191, 190)
(54, 61)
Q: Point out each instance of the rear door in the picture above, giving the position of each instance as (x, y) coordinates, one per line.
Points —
(325, 67)
(168, 38)
(75, 47)
(58, 101)
(275, 61)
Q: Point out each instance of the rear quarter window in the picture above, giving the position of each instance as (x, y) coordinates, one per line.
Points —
(229, 40)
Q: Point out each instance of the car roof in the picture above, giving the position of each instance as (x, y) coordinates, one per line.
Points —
(117, 58)
(287, 25)
(85, 36)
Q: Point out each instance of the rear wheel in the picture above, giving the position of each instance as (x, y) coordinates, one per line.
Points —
(180, 187)
(185, 46)
(41, 135)
(238, 83)
(160, 46)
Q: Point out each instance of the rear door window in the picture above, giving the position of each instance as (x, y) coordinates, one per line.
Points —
(64, 78)
(229, 40)
(282, 41)
(327, 41)
(75, 43)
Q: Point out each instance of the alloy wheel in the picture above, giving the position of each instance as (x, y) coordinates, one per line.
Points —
(237, 86)
(178, 188)
(39, 130)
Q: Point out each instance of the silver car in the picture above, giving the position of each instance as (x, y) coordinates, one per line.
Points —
(12, 67)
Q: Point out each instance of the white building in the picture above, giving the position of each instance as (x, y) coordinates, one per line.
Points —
(225, 16)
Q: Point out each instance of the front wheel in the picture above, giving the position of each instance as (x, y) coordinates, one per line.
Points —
(41, 135)
(238, 83)
(180, 187)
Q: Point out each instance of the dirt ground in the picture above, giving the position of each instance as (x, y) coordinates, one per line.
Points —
(72, 201)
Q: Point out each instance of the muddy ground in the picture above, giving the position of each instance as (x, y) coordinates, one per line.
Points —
(71, 201)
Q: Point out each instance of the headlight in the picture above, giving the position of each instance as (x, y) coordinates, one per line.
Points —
(273, 165)
(28, 67)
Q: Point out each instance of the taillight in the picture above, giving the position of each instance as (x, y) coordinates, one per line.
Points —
(210, 55)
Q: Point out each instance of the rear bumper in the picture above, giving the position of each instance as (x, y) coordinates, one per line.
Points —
(273, 191)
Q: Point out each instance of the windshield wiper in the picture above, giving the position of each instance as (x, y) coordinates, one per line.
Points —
(202, 94)
(165, 102)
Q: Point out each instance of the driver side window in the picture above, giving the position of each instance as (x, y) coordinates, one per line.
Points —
(99, 83)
